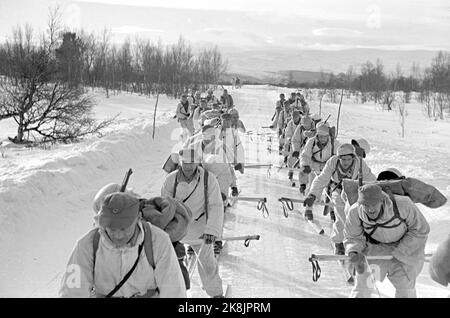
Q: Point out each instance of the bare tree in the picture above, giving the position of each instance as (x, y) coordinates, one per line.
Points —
(42, 106)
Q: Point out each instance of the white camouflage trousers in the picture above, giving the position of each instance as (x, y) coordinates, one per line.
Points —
(337, 234)
(401, 275)
(208, 269)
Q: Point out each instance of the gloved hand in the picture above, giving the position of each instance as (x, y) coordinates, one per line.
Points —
(224, 197)
(208, 238)
(309, 201)
(295, 154)
(307, 169)
(358, 261)
(238, 166)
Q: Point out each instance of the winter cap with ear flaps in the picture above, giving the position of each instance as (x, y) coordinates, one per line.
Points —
(346, 149)
(370, 194)
(323, 130)
(189, 155)
(102, 193)
(119, 210)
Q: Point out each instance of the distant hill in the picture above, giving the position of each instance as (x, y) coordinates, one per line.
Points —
(274, 65)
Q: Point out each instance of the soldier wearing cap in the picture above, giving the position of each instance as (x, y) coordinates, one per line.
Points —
(344, 165)
(232, 149)
(96, 273)
(288, 143)
(278, 108)
(315, 154)
(187, 184)
(381, 224)
(185, 117)
(226, 100)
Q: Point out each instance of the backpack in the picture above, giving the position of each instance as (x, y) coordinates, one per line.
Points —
(416, 190)
(205, 185)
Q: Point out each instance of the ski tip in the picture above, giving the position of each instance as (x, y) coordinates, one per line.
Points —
(228, 291)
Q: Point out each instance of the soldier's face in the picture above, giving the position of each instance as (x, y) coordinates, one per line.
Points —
(346, 161)
(226, 124)
(189, 168)
(120, 237)
(323, 139)
(372, 210)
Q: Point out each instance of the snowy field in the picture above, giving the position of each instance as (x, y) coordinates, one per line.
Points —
(46, 195)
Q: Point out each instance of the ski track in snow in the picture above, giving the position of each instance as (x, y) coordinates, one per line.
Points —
(46, 196)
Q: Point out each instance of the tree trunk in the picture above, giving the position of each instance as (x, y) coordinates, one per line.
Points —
(20, 129)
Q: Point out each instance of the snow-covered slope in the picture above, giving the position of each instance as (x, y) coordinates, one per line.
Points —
(46, 195)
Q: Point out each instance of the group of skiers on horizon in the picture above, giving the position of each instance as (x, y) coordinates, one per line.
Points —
(137, 248)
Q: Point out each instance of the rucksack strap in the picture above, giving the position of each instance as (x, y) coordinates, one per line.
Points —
(385, 225)
(205, 178)
(205, 186)
(175, 188)
(95, 242)
(148, 244)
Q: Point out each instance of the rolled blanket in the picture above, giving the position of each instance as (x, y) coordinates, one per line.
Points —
(168, 214)
(418, 191)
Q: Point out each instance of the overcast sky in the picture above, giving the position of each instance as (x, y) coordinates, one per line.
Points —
(317, 24)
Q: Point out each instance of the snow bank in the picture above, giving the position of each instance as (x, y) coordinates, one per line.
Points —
(46, 196)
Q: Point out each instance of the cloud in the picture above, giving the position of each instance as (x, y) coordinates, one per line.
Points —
(217, 30)
(337, 32)
(72, 16)
(127, 29)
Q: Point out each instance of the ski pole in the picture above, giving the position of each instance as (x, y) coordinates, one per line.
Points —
(287, 205)
(250, 166)
(293, 169)
(245, 238)
(316, 271)
(261, 205)
(252, 199)
(328, 257)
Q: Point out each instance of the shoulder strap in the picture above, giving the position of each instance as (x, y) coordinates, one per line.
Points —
(205, 178)
(175, 184)
(148, 244)
(95, 241)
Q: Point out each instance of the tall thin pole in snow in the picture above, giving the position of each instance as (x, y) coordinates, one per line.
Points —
(156, 104)
(339, 113)
(154, 115)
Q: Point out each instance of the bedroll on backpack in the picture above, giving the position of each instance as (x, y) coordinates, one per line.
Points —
(418, 191)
